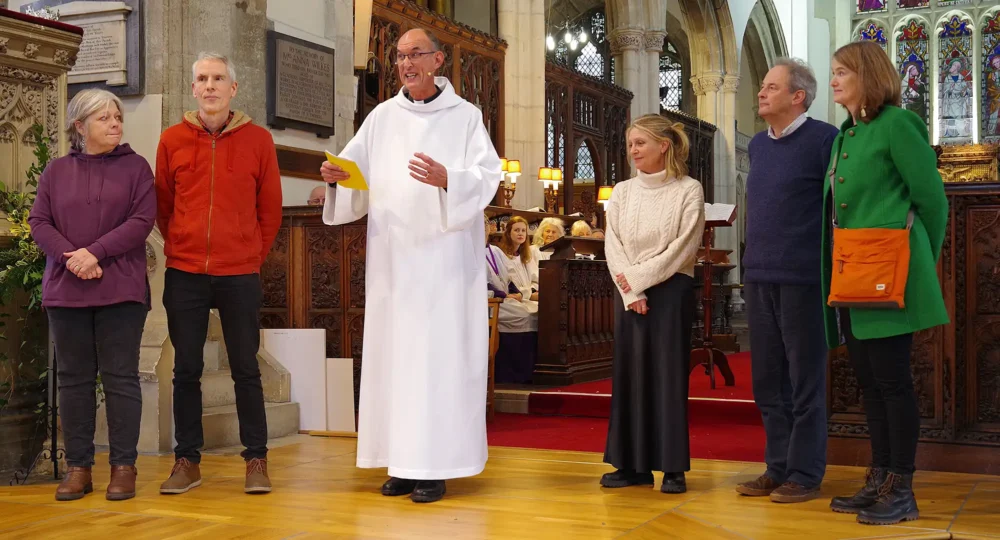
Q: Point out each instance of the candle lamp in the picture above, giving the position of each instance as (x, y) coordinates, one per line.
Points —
(512, 169)
(550, 179)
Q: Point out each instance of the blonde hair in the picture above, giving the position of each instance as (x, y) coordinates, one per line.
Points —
(661, 129)
(507, 243)
(539, 238)
(580, 228)
(84, 104)
(878, 81)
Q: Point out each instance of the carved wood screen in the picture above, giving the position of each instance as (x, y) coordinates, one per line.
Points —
(474, 62)
(701, 159)
(580, 109)
(956, 367)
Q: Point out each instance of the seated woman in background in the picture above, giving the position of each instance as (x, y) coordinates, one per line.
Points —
(549, 230)
(597, 233)
(498, 283)
(518, 323)
(580, 228)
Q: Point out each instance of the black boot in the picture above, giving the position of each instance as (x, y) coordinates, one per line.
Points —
(865, 497)
(895, 502)
(394, 487)
(673, 483)
(624, 478)
(428, 491)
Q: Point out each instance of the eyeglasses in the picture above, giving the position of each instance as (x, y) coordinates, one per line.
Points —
(400, 57)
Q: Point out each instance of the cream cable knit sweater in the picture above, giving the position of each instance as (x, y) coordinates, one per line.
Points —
(654, 230)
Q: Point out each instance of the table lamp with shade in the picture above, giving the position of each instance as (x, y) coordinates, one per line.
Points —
(604, 195)
(551, 177)
(511, 170)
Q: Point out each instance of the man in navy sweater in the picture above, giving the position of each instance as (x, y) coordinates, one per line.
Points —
(788, 165)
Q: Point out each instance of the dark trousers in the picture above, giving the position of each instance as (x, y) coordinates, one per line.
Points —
(188, 298)
(88, 340)
(789, 357)
(882, 367)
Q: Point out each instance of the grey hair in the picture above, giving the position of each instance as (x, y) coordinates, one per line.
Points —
(800, 77)
(214, 56)
(84, 104)
(432, 37)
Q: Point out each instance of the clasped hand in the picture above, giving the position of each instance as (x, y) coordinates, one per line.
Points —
(83, 264)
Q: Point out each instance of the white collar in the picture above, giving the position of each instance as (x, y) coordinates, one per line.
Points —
(796, 124)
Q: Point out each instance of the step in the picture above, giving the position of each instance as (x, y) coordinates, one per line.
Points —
(217, 388)
(213, 356)
(222, 428)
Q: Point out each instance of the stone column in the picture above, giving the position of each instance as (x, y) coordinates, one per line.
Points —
(727, 128)
(522, 25)
(653, 46)
(627, 45)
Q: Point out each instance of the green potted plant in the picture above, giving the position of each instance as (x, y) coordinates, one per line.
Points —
(23, 326)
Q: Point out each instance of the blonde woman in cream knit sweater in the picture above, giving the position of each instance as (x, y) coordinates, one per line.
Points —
(654, 229)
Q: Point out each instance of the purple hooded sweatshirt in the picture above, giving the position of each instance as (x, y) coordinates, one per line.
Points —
(107, 204)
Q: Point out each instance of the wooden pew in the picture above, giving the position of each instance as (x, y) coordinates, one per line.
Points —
(494, 304)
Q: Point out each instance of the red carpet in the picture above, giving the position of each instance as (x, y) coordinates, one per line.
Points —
(724, 423)
(593, 399)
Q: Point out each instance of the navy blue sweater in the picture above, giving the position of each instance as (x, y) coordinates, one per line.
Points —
(784, 208)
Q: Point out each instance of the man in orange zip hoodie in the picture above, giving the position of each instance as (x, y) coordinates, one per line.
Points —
(218, 193)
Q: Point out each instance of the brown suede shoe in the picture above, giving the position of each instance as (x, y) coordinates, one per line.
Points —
(257, 480)
(77, 483)
(761, 487)
(122, 486)
(184, 476)
(790, 492)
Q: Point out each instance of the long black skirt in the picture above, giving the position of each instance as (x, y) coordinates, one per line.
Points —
(648, 429)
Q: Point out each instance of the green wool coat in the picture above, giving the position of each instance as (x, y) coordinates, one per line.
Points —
(885, 168)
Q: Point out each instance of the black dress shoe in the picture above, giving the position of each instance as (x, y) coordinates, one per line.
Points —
(428, 491)
(394, 487)
(624, 478)
(673, 483)
(865, 497)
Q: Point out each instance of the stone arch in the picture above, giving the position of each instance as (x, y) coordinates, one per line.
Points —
(763, 43)
(770, 36)
(712, 36)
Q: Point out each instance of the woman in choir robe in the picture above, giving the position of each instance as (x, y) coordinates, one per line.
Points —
(498, 284)
(654, 228)
(549, 230)
(518, 320)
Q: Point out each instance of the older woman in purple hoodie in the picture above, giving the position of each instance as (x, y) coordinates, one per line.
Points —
(93, 211)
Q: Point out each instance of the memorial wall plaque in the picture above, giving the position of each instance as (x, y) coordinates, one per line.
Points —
(112, 53)
(300, 85)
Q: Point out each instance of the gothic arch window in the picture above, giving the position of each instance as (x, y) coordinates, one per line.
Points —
(955, 82)
(873, 31)
(591, 57)
(913, 61)
(990, 112)
(585, 170)
(671, 79)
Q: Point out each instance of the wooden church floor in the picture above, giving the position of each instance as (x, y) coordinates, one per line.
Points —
(318, 493)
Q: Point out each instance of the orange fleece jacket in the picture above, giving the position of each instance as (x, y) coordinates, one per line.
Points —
(218, 196)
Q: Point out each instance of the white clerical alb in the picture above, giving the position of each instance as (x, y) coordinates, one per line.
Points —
(423, 379)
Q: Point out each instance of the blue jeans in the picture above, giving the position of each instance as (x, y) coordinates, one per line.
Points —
(789, 357)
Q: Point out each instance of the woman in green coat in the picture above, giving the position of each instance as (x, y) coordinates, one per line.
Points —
(882, 168)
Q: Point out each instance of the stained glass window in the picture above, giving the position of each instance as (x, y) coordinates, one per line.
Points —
(990, 113)
(955, 88)
(907, 4)
(865, 6)
(873, 32)
(912, 60)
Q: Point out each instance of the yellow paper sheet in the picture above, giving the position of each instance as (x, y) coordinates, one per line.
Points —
(357, 180)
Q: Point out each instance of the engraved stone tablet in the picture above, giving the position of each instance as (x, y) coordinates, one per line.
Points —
(102, 54)
(300, 92)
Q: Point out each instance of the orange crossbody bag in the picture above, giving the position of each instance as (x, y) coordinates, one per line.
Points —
(871, 265)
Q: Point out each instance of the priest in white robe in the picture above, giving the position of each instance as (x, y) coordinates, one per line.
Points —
(431, 170)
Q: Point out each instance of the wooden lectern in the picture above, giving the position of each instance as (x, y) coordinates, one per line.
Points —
(568, 247)
(719, 215)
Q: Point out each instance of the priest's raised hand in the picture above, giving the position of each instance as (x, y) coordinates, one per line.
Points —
(333, 173)
(428, 171)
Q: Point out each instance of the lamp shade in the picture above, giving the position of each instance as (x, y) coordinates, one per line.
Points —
(604, 193)
(514, 166)
(557, 175)
(544, 173)
(503, 164)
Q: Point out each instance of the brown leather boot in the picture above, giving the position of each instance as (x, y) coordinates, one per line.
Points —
(77, 483)
(122, 484)
(257, 480)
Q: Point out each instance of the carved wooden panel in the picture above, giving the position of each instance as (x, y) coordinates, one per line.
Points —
(701, 159)
(333, 323)
(274, 312)
(323, 259)
(356, 239)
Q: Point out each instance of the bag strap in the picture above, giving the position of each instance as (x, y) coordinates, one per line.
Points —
(833, 193)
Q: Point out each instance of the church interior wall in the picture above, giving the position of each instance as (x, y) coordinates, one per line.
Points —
(479, 14)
